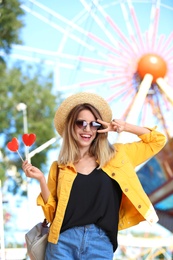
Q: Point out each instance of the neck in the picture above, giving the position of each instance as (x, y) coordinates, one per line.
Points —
(84, 154)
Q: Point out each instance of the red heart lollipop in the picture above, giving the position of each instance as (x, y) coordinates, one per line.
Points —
(29, 139)
(13, 145)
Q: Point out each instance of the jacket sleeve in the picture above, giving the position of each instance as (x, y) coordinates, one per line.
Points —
(49, 208)
(149, 145)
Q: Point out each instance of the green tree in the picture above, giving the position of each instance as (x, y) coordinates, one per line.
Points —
(10, 23)
(21, 84)
(35, 90)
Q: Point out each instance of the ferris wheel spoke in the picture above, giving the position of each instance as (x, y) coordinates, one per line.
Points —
(119, 67)
(155, 29)
(135, 46)
(103, 43)
(129, 93)
(91, 83)
(108, 46)
(168, 41)
(169, 52)
(95, 61)
(126, 19)
(126, 112)
(160, 43)
(119, 32)
(125, 83)
(165, 88)
(126, 52)
(170, 59)
(147, 40)
(154, 20)
(118, 94)
(99, 23)
(170, 76)
(96, 82)
(137, 27)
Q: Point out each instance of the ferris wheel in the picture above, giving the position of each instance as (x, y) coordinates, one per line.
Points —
(119, 49)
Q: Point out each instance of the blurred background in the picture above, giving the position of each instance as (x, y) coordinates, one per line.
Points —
(122, 50)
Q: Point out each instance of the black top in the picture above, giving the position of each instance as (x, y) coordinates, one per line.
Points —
(94, 199)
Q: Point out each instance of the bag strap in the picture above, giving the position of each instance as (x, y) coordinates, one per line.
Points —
(57, 175)
(45, 223)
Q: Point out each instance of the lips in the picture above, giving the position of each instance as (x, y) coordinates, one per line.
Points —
(85, 136)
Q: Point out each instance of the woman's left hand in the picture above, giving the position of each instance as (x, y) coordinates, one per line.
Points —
(116, 125)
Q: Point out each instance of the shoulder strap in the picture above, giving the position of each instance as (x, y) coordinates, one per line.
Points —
(45, 223)
(57, 174)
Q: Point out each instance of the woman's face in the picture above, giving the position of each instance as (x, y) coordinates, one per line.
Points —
(85, 134)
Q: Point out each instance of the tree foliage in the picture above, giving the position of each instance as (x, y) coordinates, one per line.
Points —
(10, 23)
(20, 84)
(35, 90)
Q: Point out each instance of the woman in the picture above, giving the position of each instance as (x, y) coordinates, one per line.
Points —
(98, 191)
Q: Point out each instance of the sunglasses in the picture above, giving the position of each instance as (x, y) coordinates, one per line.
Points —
(82, 124)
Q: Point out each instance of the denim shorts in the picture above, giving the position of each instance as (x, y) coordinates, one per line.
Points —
(81, 243)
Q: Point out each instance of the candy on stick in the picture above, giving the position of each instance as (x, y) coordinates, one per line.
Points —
(13, 146)
(29, 139)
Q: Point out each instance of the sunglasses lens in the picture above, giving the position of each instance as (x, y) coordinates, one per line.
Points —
(95, 125)
(81, 123)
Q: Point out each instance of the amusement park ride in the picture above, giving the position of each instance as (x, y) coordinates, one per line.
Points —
(124, 51)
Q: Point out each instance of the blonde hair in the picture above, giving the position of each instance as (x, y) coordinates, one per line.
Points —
(100, 148)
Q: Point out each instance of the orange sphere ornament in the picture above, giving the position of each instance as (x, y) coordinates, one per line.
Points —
(152, 64)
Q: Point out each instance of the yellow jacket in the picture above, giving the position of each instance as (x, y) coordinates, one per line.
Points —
(135, 205)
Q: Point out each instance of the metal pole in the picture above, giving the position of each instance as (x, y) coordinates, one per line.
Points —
(23, 107)
(25, 130)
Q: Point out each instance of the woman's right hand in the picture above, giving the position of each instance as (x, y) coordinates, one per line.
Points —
(32, 171)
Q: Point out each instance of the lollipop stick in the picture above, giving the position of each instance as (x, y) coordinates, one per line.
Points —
(20, 156)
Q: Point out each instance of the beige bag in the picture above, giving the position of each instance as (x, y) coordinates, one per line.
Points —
(36, 241)
(36, 238)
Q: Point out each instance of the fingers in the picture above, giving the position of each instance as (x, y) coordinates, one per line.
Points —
(107, 126)
(118, 125)
(115, 125)
(103, 123)
(102, 131)
(26, 164)
(27, 167)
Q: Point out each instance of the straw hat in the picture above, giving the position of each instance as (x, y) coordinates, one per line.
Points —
(80, 98)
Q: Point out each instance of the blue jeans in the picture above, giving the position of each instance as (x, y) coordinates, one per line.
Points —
(81, 243)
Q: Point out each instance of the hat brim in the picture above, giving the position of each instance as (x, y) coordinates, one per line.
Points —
(80, 98)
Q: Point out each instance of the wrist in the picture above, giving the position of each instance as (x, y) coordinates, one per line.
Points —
(42, 179)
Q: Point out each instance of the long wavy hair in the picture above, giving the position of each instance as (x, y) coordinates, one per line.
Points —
(100, 148)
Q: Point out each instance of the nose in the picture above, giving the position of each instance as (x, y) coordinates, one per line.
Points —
(87, 127)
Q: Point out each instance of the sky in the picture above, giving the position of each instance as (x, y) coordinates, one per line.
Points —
(57, 36)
